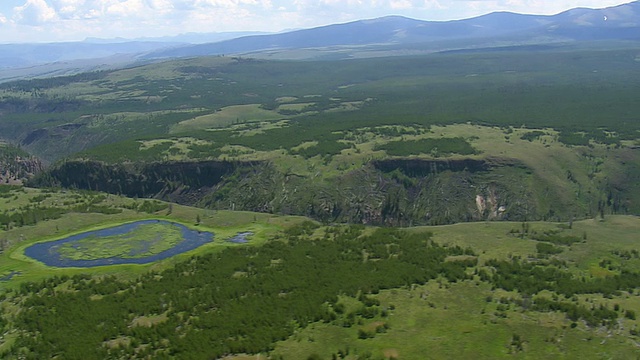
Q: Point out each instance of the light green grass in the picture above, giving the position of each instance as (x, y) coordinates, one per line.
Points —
(294, 107)
(441, 320)
(227, 116)
(491, 240)
(455, 321)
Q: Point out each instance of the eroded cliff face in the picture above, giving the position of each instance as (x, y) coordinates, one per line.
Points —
(395, 192)
(405, 192)
(173, 181)
(390, 192)
(15, 169)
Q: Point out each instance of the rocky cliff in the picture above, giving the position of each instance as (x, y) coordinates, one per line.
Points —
(17, 166)
(397, 192)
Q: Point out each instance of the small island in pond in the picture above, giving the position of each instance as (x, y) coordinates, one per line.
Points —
(141, 242)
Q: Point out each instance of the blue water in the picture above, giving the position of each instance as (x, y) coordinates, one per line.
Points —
(47, 252)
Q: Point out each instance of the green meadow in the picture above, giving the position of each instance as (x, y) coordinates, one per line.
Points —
(472, 319)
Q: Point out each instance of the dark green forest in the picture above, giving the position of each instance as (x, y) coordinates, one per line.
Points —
(245, 299)
(585, 93)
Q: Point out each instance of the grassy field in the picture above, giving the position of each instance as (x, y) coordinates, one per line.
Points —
(226, 116)
(471, 319)
(224, 224)
(546, 156)
(462, 320)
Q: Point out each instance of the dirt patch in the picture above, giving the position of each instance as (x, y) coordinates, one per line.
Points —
(118, 342)
(245, 357)
(149, 321)
(391, 354)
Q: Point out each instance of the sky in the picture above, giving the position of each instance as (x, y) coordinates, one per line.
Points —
(75, 20)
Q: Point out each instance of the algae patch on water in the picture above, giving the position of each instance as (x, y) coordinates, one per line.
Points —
(143, 241)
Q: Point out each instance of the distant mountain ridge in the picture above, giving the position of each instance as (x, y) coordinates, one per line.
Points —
(186, 38)
(24, 55)
(616, 23)
(381, 36)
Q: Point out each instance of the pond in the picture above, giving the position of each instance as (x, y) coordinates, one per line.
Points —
(140, 242)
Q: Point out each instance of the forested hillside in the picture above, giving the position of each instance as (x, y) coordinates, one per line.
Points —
(397, 141)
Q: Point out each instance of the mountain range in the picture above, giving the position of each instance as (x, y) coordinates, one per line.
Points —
(580, 24)
(384, 36)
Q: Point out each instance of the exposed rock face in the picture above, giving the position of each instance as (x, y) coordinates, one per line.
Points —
(390, 192)
(394, 192)
(173, 181)
(15, 169)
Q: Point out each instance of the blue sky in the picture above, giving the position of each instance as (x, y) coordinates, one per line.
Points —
(69, 20)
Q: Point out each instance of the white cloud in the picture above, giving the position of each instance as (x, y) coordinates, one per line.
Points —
(433, 4)
(400, 4)
(34, 12)
(72, 4)
(126, 8)
(160, 5)
(224, 3)
(3, 20)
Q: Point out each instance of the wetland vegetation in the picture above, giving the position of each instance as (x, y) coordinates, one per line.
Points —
(140, 242)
